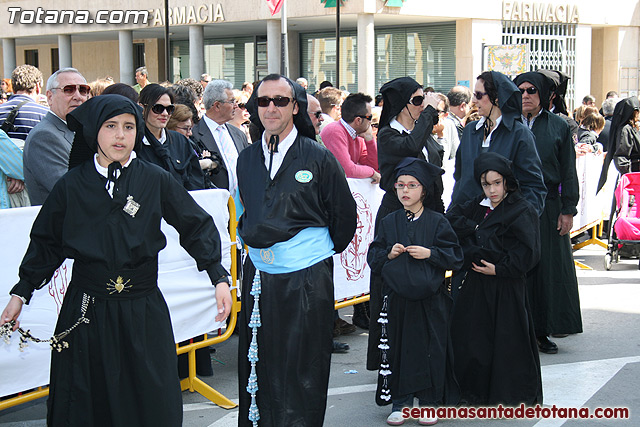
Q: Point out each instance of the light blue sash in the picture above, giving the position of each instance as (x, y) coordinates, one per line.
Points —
(308, 247)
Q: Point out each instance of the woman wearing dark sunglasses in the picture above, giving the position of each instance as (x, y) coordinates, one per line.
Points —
(404, 130)
(499, 130)
(166, 148)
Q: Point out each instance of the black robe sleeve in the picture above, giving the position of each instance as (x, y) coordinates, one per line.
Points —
(339, 204)
(44, 253)
(394, 146)
(464, 218)
(521, 245)
(628, 147)
(568, 175)
(446, 253)
(198, 233)
(189, 166)
(379, 250)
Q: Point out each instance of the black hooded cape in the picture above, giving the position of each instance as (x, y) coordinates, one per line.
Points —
(129, 331)
(541, 82)
(560, 84)
(495, 349)
(418, 303)
(624, 139)
(176, 156)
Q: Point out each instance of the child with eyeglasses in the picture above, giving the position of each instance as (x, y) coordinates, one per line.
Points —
(413, 248)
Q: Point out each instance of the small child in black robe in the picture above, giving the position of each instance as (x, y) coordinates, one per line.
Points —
(495, 349)
(413, 249)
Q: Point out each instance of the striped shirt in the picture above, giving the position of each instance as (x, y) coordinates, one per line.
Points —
(10, 166)
(28, 116)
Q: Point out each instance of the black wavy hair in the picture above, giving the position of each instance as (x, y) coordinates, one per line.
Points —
(150, 95)
(489, 87)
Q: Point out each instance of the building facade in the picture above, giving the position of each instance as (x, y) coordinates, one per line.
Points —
(439, 44)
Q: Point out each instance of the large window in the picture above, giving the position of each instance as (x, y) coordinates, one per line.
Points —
(551, 46)
(319, 59)
(231, 59)
(426, 53)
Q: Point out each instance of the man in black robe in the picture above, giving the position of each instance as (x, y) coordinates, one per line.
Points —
(298, 212)
(553, 286)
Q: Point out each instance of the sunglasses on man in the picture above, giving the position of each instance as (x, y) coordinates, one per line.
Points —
(69, 90)
(278, 101)
(530, 90)
(369, 117)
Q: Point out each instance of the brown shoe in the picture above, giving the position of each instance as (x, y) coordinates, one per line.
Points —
(340, 327)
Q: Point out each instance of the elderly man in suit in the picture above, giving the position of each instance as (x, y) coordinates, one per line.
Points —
(217, 136)
(46, 150)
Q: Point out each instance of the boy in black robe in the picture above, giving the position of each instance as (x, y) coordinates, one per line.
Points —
(116, 361)
(495, 351)
(412, 250)
(293, 191)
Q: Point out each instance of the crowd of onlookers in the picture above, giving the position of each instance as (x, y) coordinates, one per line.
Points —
(513, 136)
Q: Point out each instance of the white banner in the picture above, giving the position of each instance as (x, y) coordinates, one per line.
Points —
(188, 292)
(351, 271)
(592, 207)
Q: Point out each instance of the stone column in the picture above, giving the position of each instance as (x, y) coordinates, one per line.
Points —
(125, 51)
(8, 56)
(274, 54)
(64, 51)
(366, 54)
(196, 51)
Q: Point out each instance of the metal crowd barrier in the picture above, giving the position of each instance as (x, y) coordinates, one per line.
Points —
(596, 228)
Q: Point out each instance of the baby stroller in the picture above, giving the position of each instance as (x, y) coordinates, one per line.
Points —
(624, 224)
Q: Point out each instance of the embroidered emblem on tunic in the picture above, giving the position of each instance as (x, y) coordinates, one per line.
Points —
(267, 256)
(118, 285)
(304, 176)
(131, 207)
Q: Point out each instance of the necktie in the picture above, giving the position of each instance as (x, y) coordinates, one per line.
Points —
(229, 154)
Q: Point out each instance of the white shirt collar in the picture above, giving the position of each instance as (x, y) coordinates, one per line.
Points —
(63, 120)
(352, 132)
(479, 125)
(105, 171)
(487, 203)
(529, 123)
(212, 124)
(161, 140)
(278, 157)
(395, 124)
